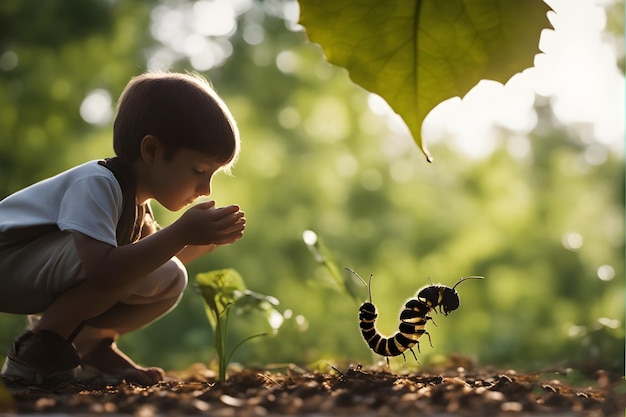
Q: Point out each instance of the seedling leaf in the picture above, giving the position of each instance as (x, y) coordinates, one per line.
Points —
(219, 289)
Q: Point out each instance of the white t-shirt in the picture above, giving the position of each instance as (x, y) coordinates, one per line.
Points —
(87, 199)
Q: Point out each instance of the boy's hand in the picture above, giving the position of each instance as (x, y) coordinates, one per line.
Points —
(203, 224)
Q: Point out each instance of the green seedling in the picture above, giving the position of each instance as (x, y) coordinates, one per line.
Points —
(224, 292)
(341, 281)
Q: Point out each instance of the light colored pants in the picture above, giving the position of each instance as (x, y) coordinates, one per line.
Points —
(33, 274)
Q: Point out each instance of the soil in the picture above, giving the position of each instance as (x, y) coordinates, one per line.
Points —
(354, 391)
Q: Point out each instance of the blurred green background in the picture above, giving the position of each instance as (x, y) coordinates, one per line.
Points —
(541, 215)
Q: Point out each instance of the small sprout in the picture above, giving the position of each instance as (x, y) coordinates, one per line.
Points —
(224, 291)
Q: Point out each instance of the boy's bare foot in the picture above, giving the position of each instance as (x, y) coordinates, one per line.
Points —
(112, 363)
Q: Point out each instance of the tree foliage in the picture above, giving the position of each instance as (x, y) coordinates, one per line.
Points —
(52, 55)
(418, 53)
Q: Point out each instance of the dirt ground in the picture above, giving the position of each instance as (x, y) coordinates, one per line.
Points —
(339, 392)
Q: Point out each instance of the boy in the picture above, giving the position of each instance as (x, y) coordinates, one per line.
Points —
(80, 252)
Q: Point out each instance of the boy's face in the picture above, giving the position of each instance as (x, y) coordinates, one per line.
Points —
(179, 181)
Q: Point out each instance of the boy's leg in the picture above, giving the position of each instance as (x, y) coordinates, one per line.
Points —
(154, 297)
(31, 273)
(50, 265)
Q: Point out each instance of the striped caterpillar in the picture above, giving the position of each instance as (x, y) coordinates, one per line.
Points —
(413, 318)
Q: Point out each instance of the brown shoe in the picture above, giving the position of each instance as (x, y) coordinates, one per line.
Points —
(41, 357)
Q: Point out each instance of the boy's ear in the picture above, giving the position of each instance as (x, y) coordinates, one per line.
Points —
(150, 148)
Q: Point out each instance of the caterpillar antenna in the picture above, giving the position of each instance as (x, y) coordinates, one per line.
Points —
(466, 278)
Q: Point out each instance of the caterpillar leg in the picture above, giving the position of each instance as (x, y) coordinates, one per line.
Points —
(404, 356)
(429, 339)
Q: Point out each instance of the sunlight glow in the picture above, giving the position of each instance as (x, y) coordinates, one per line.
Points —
(301, 321)
(289, 117)
(275, 320)
(287, 62)
(572, 241)
(606, 272)
(253, 34)
(577, 72)
(97, 107)
(213, 18)
(518, 146)
(611, 323)
(346, 165)
(329, 120)
(199, 31)
(309, 237)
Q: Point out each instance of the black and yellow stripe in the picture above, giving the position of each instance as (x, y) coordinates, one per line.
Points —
(413, 318)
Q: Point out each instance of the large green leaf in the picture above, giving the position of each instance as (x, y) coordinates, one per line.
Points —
(417, 53)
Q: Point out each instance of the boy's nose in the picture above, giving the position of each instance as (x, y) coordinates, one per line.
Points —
(204, 188)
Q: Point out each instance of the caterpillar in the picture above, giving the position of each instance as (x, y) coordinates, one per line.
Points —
(413, 318)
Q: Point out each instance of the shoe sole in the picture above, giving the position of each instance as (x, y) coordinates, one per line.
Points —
(14, 368)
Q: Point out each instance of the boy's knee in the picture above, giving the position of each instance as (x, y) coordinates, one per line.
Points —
(177, 272)
(168, 281)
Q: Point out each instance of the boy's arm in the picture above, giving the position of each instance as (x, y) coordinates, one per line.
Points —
(124, 266)
(191, 252)
(117, 269)
(112, 272)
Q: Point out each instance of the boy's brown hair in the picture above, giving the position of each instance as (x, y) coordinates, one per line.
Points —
(181, 110)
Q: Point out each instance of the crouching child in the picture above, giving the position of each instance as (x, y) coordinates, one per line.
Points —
(81, 253)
